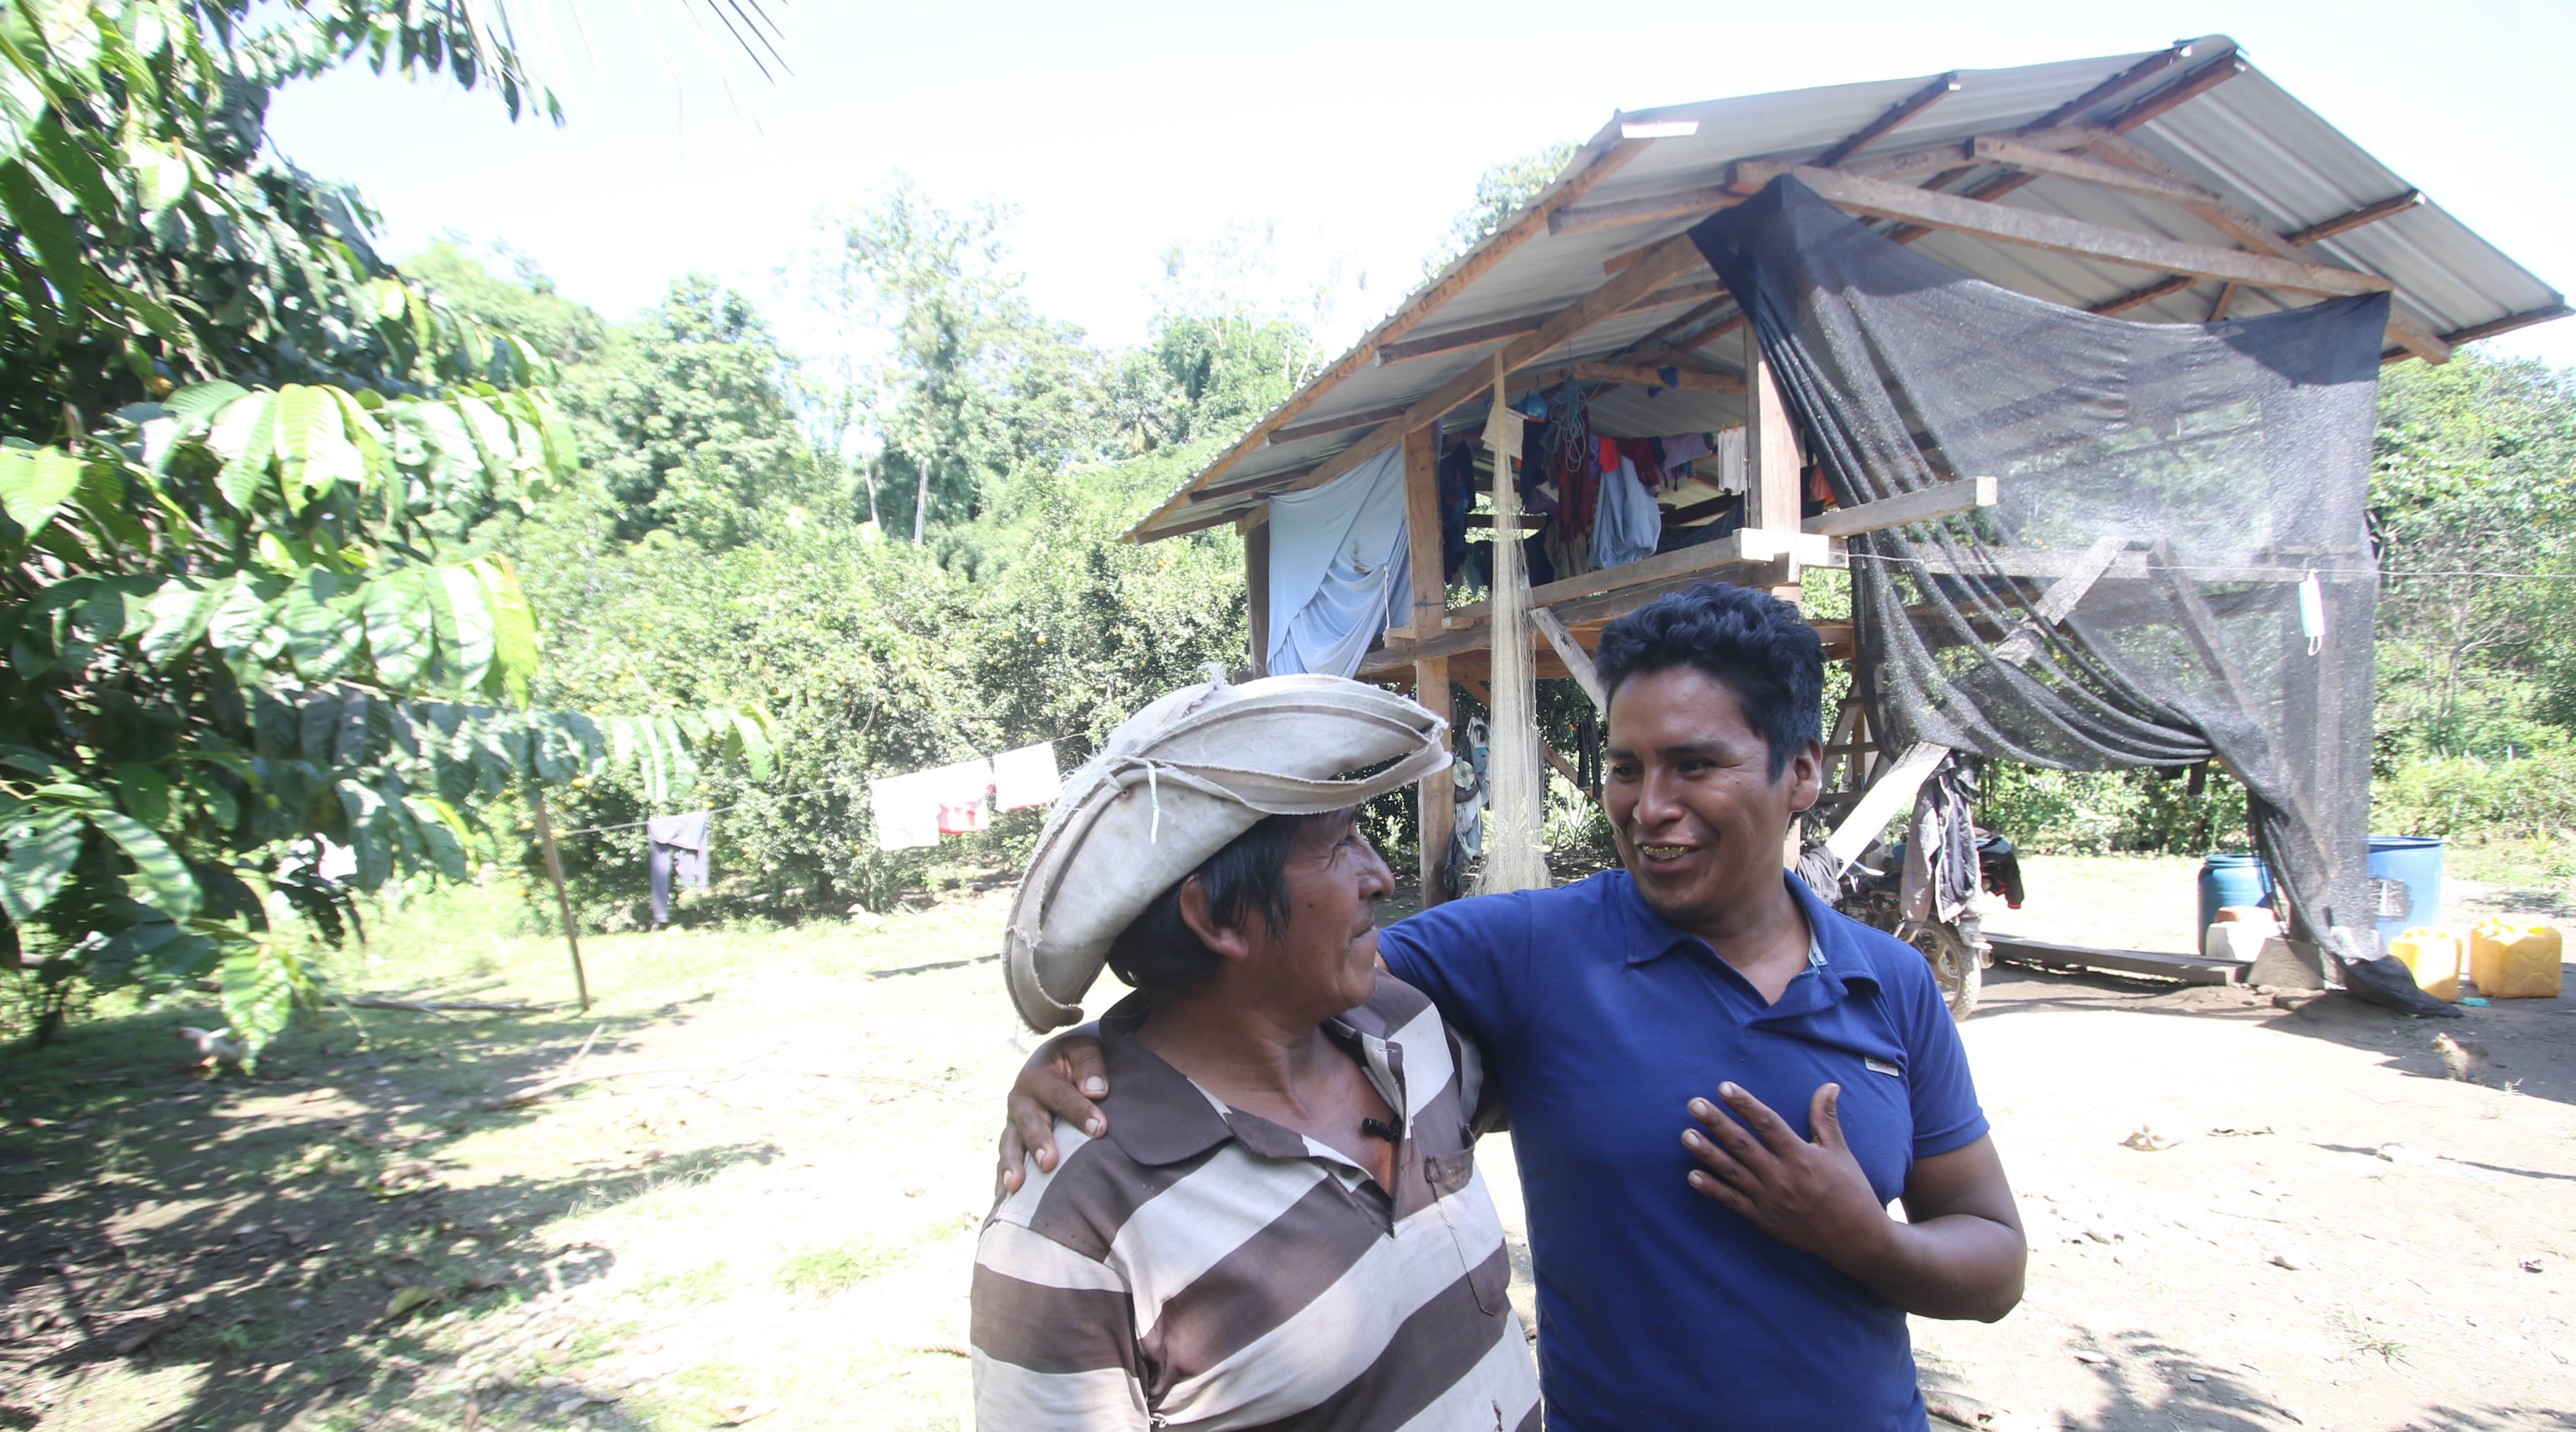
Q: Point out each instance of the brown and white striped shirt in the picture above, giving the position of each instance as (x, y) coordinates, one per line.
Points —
(1202, 1267)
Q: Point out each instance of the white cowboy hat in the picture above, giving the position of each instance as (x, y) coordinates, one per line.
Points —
(1175, 784)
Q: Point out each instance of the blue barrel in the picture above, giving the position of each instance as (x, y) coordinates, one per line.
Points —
(2405, 883)
(2228, 879)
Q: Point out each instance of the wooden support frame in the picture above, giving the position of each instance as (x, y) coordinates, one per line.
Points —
(1529, 223)
(1897, 114)
(1496, 332)
(2055, 234)
(1663, 262)
(1438, 812)
(1578, 662)
(1923, 505)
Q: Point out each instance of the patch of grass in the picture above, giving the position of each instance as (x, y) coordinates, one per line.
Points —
(704, 1284)
(2367, 1343)
(845, 1265)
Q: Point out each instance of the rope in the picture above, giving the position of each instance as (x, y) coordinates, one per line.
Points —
(718, 810)
(2332, 572)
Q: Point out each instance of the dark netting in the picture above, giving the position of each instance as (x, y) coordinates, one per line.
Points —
(2187, 481)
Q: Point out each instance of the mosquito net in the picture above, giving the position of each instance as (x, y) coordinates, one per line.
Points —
(2188, 498)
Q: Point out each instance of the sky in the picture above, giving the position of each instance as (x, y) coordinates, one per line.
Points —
(1326, 146)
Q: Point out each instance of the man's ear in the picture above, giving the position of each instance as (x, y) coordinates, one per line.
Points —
(1805, 774)
(1228, 941)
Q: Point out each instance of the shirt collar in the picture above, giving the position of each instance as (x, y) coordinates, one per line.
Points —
(1832, 953)
(1157, 1116)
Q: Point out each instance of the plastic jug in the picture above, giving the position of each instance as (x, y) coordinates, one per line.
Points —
(2434, 957)
(2514, 959)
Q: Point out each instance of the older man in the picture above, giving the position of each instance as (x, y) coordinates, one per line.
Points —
(1284, 1226)
(1716, 1083)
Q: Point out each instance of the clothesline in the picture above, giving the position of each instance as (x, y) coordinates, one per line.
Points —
(2323, 572)
(721, 810)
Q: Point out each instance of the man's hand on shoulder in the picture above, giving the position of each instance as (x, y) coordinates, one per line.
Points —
(1061, 1080)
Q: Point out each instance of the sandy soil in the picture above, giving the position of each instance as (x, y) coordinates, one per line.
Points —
(767, 1218)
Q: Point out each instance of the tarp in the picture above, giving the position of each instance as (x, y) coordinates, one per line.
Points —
(2224, 463)
(1339, 571)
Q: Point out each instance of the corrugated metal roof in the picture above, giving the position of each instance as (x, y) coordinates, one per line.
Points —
(2246, 139)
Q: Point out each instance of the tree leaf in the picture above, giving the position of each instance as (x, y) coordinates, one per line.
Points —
(401, 637)
(244, 436)
(145, 794)
(238, 619)
(48, 229)
(35, 483)
(167, 885)
(309, 443)
(514, 627)
(262, 983)
(42, 847)
(197, 402)
(469, 662)
(751, 745)
(180, 613)
(443, 832)
(320, 633)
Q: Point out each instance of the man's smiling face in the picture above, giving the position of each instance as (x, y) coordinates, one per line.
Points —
(1691, 799)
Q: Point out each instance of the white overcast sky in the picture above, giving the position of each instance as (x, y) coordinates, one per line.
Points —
(1349, 133)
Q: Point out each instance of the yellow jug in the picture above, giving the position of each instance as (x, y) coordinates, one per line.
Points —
(2514, 959)
(2433, 957)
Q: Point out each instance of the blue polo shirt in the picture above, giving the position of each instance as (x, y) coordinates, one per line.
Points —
(1659, 1308)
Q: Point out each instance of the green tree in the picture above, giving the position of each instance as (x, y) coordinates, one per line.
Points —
(2473, 491)
(1500, 193)
(689, 427)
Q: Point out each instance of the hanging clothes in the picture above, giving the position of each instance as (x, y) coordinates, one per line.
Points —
(965, 793)
(906, 810)
(1457, 499)
(1339, 572)
(1675, 456)
(675, 844)
(1630, 520)
(1644, 457)
(1026, 777)
(1730, 460)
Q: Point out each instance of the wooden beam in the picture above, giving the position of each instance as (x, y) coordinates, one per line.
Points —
(1922, 505)
(1897, 114)
(2325, 229)
(1744, 548)
(1771, 486)
(2146, 294)
(1660, 264)
(1438, 813)
(2129, 78)
(1682, 324)
(2506, 324)
(2054, 234)
(1240, 486)
(1707, 200)
(1635, 376)
(1684, 516)
(1530, 521)
(1201, 524)
(1501, 329)
(1578, 662)
(2030, 159)
(1364, 418)
(1528, 224)
(1256, 584)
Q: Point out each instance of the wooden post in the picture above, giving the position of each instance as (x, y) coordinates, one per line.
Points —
(1430, 618)
(1770, 454)
(563, 901)
(1256, 578)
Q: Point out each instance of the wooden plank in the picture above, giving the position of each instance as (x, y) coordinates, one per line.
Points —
(2030, 159)
(2145, 294)
(1528, 224)
(1256, 585)
(1578, 662)
(1265, 483)
(1897, 114)
(2129, 78)
(1946, 500)
(1771, 479)
(1497, 331)
(2325, 229)
(1684, 378)
(1430, 678)
(1679, 204)
(2049, 955)
(1364, 418)
(2506, 324)
(1484, 521)
(2055, 234)
(1692, 316)
(1663, 262)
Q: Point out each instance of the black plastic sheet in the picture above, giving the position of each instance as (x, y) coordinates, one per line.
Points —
(2206, 472)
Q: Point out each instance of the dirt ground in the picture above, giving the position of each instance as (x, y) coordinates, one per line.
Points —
(763, 1214)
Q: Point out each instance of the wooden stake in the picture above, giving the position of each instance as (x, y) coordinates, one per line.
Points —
(563, 901)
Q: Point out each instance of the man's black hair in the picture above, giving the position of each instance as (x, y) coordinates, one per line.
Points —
(1163, 958)
(1754, 643)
